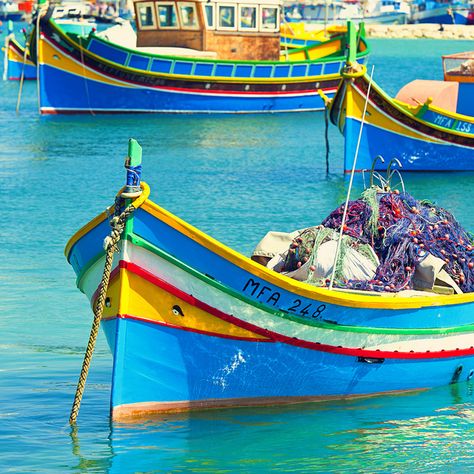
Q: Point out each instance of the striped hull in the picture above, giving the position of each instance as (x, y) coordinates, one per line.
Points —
(192, 324)
(94, 96)
(165, 369)
(16, 65)
(441, 15)
(106, 78)
(423, 138)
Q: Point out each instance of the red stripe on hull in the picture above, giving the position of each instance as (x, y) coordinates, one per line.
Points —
(276, 337)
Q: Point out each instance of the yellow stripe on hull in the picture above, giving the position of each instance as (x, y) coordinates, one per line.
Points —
(132, 295)
(53, 57)
(355, 108)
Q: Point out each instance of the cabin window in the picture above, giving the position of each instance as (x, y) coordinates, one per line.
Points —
(188, 16)
(247, 18)
(227, 17)
(269, 19)
(167, 16)
(209, 15)
(146, 16)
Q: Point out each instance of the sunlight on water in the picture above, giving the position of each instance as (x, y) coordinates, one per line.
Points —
(235, 178)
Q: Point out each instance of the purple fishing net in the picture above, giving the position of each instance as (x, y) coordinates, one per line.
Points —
(405, 231)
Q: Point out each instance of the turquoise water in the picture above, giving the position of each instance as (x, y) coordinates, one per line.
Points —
(235, 178)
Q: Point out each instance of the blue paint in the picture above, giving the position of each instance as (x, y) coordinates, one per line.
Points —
(15, 69)
(415, 155)
(160, 364)
(108, 52)
(91, 95)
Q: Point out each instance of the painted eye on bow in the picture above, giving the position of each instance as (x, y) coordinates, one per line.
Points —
(177, 311)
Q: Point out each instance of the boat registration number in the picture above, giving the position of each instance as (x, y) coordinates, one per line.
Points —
(298, 306)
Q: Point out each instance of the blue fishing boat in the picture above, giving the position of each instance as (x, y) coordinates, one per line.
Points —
(334, 12)
(439, 11)
(193, 324)
(9, 11)
(212, 58)
(429, 125)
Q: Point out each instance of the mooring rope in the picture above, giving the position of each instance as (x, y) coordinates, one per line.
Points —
(110, 245)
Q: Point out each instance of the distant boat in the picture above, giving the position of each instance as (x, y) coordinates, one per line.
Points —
(10, 11)
(337, 12)
(16, 60)
(193, 324)
(428, 126)
(439, 11)
(212, 57)
(297, 35)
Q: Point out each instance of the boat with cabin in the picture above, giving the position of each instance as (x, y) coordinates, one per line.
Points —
(428, 126)
(193, 324)
(188, 57)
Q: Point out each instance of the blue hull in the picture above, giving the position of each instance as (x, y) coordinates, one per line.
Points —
(92, 96)
(15, 69)
(415, 155)
(159, 364)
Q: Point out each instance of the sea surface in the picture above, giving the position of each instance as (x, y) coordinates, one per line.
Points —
(235, 178)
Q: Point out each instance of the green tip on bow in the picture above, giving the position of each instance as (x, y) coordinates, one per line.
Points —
(134, 153)
(352, 42)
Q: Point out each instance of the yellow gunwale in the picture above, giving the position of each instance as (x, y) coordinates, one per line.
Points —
(325, 295)
(406, 108)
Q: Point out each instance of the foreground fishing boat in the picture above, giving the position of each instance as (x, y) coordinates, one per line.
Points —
(187, 57)
(428, 126)
(193, 324)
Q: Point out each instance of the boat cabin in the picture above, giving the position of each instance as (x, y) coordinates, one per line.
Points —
(459, 68)
(232, 29)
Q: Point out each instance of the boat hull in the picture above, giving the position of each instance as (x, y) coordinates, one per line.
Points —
(192, 324)
(164, 369)
(92, 96)
(423, 138)
(17, 64)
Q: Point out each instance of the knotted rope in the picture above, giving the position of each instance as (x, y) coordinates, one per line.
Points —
(110, 246)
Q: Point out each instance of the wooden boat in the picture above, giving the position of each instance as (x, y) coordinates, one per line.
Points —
(296, 35)
(17, 61)
(428, 126)
(205, 63)
(193, 324)
(446, 12)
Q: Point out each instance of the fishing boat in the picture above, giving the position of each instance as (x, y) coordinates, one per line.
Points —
(187, 57)
(439, 11)
(10, 11)
(70, 19)
(17, 61)
(428, 126)
(297, 35)
(193, 324)
(388, 12)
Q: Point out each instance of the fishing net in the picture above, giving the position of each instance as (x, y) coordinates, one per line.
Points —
(400, 230)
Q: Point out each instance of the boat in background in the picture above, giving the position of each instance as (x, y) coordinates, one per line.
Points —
(446, 12)
(428, 126)
(69, 19)
(10, 11)
(213, 58)
(193, 324)
(336, 12)
(298, 35)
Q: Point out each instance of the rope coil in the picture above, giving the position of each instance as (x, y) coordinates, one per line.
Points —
(110, 246)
